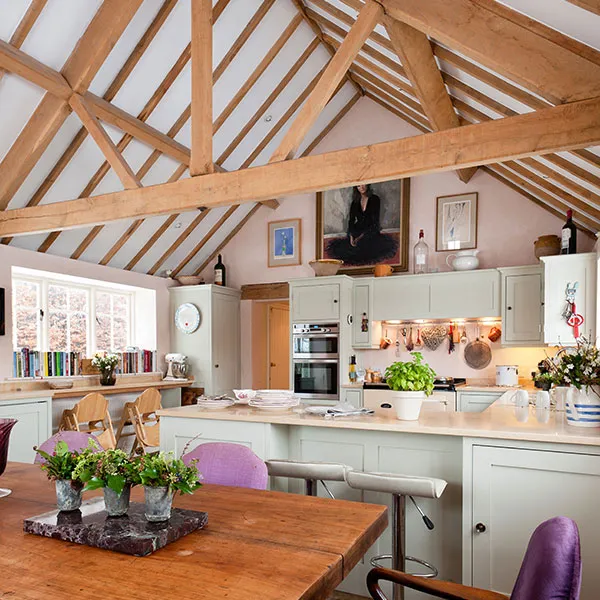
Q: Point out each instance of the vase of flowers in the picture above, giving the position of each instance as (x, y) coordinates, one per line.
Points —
(60, 467)
(106, 364)
(113, 471)
(411, 382)
(162, 475)
(578, 368)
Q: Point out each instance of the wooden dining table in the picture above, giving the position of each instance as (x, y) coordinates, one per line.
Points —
(257, 544)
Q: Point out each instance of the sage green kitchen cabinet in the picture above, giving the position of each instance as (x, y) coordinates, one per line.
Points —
(362, 310)
(401, 297)
(475, 401)
(522, 302)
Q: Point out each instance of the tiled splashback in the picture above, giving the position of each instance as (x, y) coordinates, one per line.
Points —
(454, 364)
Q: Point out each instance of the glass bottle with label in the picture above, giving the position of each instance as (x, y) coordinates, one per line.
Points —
(568, 243)
(220, 273)
(421, 255)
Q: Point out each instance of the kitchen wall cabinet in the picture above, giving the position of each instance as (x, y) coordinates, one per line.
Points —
(522, 302)
(34, 426)
(472, 294)
(362, 316)
(213, 350)
(475, 401)
(558, 272)
(316, 300)
(401, 297)
(465, 295)
(513, 491)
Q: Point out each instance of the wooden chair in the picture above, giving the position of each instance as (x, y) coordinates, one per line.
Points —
(141, 416)
(91, 415)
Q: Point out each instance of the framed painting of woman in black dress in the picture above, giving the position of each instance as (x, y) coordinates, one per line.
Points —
(365, 225)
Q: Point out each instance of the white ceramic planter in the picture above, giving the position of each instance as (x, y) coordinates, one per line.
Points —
(583, 407)
(407, 404)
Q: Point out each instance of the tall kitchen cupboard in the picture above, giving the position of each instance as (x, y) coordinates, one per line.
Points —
(560, 271)
(366, 333)
(213, 350)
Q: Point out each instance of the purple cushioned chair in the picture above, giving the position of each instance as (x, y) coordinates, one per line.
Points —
(551, 570)
(75, 440)
(229, 464)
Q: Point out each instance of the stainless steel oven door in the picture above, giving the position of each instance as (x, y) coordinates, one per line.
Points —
(319, 345)
(316, 378)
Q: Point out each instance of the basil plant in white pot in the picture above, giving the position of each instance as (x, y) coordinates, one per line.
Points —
(411, 383)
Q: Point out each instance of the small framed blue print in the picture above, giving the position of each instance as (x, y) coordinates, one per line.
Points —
(285, 243)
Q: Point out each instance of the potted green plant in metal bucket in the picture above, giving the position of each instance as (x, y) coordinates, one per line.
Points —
(162, 474)
(411, 383)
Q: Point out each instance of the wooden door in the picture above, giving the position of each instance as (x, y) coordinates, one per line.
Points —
(514, 490)
(279, 346)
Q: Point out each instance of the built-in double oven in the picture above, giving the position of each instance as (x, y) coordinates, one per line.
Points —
(316, 360)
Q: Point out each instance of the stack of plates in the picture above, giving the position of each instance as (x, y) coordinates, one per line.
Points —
(274, 400)
(215, 402)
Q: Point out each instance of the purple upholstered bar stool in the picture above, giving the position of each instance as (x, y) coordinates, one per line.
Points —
(75, 440)
(551, 570)
(229, 464)
(6, 426)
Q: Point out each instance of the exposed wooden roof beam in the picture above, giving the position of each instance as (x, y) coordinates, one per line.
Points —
(25, 25)
(104, 142)
(202, 90)
(331, 78)
(591, 5)
(102, 33)
(550, 130)
(23, 65)
(504, 43)
(414, 51)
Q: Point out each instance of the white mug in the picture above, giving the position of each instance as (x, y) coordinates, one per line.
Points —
(521, 399)
(542, 399)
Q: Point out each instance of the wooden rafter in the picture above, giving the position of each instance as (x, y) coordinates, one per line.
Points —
(591, 5)
(104, 142)
(499, 39)
(202, 90)
(415, 53)
(25, 25)
(550, 130)
(329, 81)
(104, 30)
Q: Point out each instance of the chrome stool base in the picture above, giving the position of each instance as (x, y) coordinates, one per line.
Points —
(376, 560)
(4, 492)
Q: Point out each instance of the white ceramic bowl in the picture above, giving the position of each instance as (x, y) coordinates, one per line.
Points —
(326, 267)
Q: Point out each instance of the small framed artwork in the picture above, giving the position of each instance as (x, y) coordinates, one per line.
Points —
(456, 222)
(365, 225)
(285, 243)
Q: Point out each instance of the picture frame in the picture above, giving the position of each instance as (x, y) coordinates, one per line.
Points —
(285, 243)
(456, 222)
(378, 236)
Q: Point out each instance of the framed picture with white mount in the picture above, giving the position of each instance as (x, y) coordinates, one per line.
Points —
(285, 243)
(456, 222)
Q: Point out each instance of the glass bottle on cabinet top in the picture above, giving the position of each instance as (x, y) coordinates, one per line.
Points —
(569, 236)
(421, 255)
(220, 275)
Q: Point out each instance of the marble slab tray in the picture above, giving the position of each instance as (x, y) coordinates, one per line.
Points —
(130, 534)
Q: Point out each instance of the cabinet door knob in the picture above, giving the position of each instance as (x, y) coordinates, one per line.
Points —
(480, 528)
(509, 308)
(349, 319)
(216, 366)
(335, 301)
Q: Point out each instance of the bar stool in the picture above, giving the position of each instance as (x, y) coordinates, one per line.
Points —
(311, 472)
(400, 486)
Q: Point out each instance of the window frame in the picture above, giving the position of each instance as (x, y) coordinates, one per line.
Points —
(91, 290)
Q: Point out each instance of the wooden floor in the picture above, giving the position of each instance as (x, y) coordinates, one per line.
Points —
(344, 596)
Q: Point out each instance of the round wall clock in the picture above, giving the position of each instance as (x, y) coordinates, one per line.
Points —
(187, 318)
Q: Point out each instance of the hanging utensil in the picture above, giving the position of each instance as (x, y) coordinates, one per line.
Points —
(455, 333)
(478, 354)
(463, 337)
(419, 342)
(397, 343)
(451, 339)
(385, 342)
(409, 341)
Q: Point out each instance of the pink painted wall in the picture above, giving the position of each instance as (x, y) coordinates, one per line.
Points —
(17, 257)
(508, 224)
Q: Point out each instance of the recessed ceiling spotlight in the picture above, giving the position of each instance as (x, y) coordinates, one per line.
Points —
(268, 118)
(177, 225)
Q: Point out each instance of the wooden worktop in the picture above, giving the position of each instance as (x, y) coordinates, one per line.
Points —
(127, 384)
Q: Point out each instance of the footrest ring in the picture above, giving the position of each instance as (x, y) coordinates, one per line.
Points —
(375, 562)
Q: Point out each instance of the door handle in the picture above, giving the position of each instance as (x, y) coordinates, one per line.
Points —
(480, 528)
(273, 365)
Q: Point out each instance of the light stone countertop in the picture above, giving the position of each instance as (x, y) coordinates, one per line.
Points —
(499, 421)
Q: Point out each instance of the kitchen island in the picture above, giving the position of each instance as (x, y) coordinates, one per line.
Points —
(507, 469)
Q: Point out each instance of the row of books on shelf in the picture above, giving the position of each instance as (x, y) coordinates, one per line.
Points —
(33, 363)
